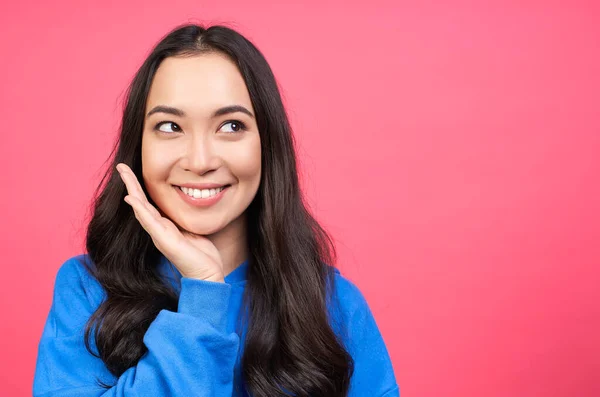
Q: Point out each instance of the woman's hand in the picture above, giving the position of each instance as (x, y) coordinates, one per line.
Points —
(193, 255)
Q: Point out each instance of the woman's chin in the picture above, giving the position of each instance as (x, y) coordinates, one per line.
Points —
(201, 230)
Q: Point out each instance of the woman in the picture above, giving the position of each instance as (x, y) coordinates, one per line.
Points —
(205, 275)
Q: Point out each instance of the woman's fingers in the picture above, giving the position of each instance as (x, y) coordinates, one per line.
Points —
(186, 251)
(153, 210)
(149, 222)
(170, 242)
(134, 189)
(131, 182)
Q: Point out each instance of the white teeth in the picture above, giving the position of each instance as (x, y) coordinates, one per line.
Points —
(198, 193)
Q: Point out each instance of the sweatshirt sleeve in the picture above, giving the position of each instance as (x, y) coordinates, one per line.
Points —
(190, 353)
(373, 371)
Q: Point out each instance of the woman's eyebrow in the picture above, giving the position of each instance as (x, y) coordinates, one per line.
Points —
(180, 113)
(232, 109)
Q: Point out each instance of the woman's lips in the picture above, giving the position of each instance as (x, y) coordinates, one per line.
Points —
(213, 196)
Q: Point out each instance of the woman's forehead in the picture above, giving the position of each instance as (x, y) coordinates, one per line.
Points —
(198, 85)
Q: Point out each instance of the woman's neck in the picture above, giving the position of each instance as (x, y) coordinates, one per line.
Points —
(232, 244)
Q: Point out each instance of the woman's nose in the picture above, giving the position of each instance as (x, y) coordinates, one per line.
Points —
(200, 156)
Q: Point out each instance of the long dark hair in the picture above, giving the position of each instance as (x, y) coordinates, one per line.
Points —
(290, 277)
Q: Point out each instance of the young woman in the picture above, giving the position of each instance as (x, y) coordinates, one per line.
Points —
(205, 274)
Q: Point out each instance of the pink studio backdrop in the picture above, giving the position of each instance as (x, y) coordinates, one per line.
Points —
(451, 148)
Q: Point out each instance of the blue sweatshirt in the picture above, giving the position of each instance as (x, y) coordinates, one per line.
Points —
(194, 351)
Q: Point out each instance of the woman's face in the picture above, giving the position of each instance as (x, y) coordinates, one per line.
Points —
(193, 138)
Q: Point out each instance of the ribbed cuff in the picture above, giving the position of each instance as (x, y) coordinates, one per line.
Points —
(205, 299)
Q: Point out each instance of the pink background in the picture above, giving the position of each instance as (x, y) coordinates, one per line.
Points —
(452, 149)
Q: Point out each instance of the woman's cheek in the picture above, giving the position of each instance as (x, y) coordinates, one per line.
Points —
(248, 160)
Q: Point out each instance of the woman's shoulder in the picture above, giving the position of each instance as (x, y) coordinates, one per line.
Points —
(76, 267)
(350, 304)
(75, 281)
(76, 295)
(356, 325)
(346, 288)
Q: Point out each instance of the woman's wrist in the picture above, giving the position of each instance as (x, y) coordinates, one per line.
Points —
(220, 279)
(217, 278)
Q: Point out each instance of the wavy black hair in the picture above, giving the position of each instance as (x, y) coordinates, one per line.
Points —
(290, 254)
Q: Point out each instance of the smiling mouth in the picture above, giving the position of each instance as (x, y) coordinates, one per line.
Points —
(202, 193)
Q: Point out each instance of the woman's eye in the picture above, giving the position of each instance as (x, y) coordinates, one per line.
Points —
(235, 126)
(174, 127)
